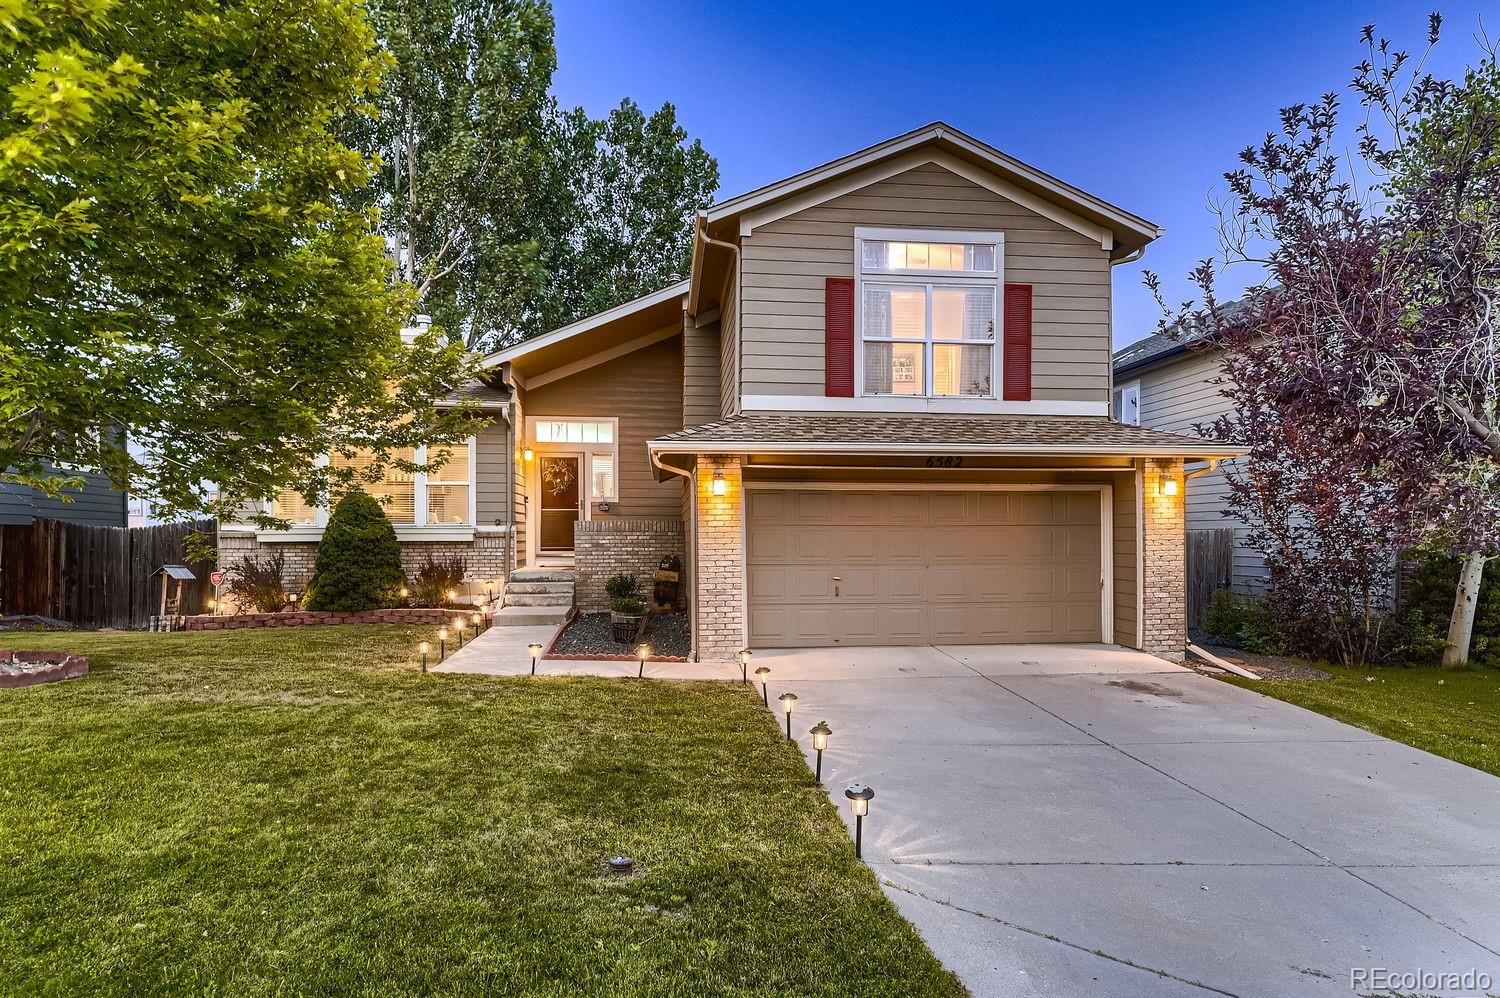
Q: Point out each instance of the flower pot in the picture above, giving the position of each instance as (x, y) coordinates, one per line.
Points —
(626, 626)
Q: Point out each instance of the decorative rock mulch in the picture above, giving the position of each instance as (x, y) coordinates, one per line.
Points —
(435, 616)
(28, 668)
(1265, 666)
(591, 636)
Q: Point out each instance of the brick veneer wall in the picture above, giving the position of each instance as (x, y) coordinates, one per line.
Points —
(484, 557)
(602, 548)
(1164, 596)
(720, 589)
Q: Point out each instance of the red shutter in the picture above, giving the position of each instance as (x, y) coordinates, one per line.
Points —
(838, 337)
(1017, 343)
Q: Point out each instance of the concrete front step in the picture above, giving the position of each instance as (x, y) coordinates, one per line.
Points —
(527, 616)
(539, 587)
(542, 575)
(539, 599)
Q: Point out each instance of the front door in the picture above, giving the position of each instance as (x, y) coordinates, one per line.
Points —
(559, 481)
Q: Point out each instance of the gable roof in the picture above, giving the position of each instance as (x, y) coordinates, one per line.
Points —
(1130, 232)
(1174, 342)
(628, 310)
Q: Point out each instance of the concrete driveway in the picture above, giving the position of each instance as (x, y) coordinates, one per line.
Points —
(1087, 820)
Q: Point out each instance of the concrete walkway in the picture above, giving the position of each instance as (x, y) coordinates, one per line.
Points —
(502, 651)
(1092, 821)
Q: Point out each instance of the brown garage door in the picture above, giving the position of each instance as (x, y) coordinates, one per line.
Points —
(854, 567)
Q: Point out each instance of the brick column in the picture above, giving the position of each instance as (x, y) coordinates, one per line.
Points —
(1164, 532)
(719, 589)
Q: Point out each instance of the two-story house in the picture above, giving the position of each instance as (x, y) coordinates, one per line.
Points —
(876, 413)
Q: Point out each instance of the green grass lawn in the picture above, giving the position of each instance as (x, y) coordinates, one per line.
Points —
(1451, 713)
(301, 812)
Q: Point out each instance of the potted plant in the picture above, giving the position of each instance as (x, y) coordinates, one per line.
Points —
(627, 609)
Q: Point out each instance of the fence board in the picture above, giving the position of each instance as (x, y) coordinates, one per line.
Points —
(95, 576)
(1210, 567)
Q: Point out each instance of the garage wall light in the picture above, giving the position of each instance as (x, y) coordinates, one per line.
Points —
(720, 486)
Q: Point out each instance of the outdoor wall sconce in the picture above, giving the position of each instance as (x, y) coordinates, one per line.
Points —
(424, 648)
(442, 643)
(720, 486)
(642, 652)
(536, 653)
(787, 701)
(744, 665)
(761, 674)
(1169, 486)
(527, 455)
(820, 733)
(859, 799)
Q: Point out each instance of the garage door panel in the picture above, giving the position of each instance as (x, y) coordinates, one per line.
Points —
(930, 567)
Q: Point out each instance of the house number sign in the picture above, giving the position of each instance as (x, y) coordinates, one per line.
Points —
(945, 462)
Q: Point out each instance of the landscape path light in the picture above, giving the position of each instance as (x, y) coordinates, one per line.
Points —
(477, 618)
(744, 664)
(404, 592)
(442, 643)
(424, 648)
(213, 608)
(787, 701)
(820, 733)
(859, 799)
(453, 596)
(458, 625)
(642, 652)
(536, 652)
(294, 597)
(762, 673)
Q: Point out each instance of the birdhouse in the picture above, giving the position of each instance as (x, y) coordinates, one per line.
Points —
(171, 578)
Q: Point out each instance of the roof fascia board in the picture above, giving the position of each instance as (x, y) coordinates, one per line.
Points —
(585, 325)
(602, 357)
(850, 182)
(1000, 450)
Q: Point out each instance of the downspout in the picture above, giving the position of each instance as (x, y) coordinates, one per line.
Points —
(1130, 257)
(691, 530)
(1213, 463)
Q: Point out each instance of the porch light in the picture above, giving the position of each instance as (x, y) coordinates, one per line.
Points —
(744, 664)
(787, 701)
(442, 643)
(424, 648)
(536, 652)
(820, 733)
(527, 455)
(1169, 486)
(720, 486)
(761, 674)
(859, 800)
(642, 652)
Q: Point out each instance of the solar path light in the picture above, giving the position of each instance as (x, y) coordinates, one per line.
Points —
(788, 700)
(859, 799)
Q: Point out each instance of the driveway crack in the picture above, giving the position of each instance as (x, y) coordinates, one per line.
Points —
(1124, 961)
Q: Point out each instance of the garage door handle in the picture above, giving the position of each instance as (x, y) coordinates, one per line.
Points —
(836, 579)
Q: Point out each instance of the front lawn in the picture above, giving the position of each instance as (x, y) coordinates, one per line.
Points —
(301, 812)
(1451, 713)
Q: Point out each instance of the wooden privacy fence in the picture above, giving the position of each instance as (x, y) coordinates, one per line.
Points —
(96, 576)
(1210, 567)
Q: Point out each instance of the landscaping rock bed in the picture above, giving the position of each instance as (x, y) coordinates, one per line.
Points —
(590, 635)
(1267, 666)
(28, 668)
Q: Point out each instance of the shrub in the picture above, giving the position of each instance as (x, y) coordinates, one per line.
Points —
(435, 577)
(259, 583)
(629, 605)
(359, 560)
(622, 586)
(1243, 622)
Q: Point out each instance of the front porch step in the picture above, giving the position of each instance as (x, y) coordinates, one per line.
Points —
(542, 575)
(540, 599)
(539, 587)
(530, 616)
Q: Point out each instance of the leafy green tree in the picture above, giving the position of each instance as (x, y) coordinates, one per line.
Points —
(508, 216)
(359, 560)
(181, 256)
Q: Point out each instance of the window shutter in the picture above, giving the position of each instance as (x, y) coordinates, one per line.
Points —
(838, 337)
(1017, 343)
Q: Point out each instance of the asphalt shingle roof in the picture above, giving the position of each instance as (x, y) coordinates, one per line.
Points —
(478, 391)
(1072, 434)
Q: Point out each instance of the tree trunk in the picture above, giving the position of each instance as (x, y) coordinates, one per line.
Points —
(1465, 602)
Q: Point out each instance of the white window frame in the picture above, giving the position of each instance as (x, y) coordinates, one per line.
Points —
(929, 280)
(404, 531)
(1127, 390)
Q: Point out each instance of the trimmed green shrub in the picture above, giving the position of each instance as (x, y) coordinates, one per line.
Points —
(622, 586)
(1242, 622)
(359, 560)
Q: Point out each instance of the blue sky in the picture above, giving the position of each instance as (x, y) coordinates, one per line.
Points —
(1143, 105)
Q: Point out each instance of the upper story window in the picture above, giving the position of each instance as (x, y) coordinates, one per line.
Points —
(927, 312)
(1126, 404)
(435, 498)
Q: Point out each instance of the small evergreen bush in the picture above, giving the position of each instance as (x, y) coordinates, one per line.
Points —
(1242, 622)
(359, 560)
(622, 586)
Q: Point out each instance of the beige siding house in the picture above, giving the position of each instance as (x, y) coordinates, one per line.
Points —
(877, 411)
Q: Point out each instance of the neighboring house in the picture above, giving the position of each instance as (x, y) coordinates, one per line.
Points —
(877, 412)
(1170, 383)
(96, 503)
